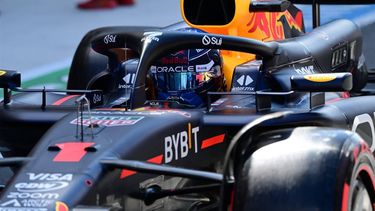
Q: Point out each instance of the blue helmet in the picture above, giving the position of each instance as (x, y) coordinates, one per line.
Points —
(187, 75)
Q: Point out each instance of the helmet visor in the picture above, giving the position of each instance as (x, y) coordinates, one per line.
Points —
(181, 80)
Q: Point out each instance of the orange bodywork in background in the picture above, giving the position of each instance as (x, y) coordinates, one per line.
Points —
(264, 26)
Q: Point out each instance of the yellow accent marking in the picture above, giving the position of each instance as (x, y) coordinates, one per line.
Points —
(61, 206)
(2, 72)
(320, 78)
(189, 134)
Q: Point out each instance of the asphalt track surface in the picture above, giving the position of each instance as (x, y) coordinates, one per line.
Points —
(39, 37)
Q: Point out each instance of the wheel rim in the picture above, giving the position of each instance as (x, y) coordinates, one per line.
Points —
(361, 198)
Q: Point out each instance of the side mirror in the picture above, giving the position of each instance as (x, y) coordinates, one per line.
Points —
(325, 82)
(10, 79)
(269, 5)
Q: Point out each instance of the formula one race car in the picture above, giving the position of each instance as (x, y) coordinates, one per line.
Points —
(264, 120)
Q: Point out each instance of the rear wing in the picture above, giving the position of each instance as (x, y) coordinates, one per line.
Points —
(315, 4)
(348, 2)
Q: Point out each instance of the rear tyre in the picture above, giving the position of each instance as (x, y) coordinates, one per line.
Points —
(361, 197)
(307, 169)
(361, 185)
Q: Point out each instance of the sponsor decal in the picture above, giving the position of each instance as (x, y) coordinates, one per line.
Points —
(128, 80)
(177, 146)
(34, 187)
(245, 80)
(36, 202)
(61, 206)
(38, 192)
(175, 59)
(175, 69)
(97, 98)
(13, 203)
(50, 177)
(2, 72)
(40, 188)
(141, 111)
(108, 121)
(27, 203)
(207, 40)
(245, 83)
(17, 195)
(151, 36)
(320, 78)
(110, 38)
(305, 70)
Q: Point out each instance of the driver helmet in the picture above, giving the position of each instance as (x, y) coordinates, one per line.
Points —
(186, 76)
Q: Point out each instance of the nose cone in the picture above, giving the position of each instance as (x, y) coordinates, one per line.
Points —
(44, 191)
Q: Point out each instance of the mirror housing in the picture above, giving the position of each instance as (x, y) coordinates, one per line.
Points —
(325, 82)
(10, 79)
